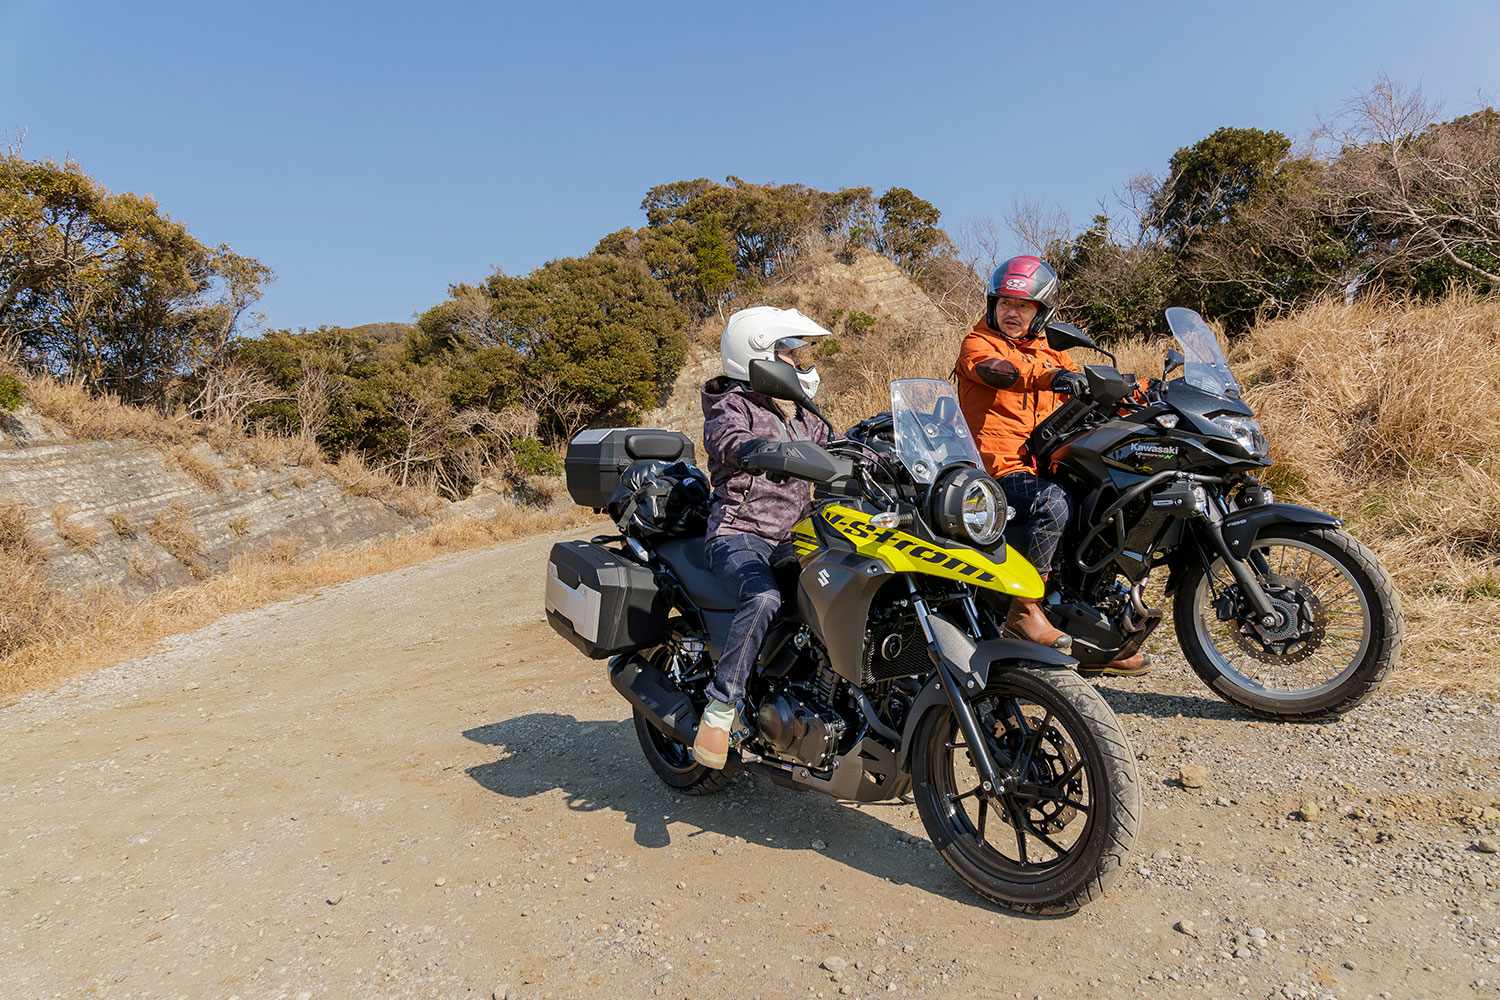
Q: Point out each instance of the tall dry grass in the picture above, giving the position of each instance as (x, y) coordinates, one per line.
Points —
(1387, 414)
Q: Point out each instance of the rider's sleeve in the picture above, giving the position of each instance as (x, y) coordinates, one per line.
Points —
(979, 359)
(726, 432)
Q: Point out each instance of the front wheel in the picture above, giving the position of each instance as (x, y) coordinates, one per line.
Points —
(1338, 634)
(1056, 835)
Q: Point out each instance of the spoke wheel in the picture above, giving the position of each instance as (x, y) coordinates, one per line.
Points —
(1055, 835)
(1337, 635)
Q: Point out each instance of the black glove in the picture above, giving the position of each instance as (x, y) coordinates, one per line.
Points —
(745, 458)
(1069, 383)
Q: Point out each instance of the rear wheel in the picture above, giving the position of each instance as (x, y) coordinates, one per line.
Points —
(1338, 634)
(1056, 835)
(674, 764)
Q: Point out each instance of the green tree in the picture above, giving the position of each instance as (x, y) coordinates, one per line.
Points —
(908, 233)
(714, 261)
(600, 325)
(109, 289)
(1208, 181)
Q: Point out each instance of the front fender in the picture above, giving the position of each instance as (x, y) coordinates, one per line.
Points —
(1242, 527)
(970, 663)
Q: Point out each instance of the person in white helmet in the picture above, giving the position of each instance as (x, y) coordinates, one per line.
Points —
(750, 515)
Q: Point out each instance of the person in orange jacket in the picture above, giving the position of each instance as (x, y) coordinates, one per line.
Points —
(1010, 380)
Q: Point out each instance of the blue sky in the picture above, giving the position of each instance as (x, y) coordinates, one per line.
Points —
(373, 154)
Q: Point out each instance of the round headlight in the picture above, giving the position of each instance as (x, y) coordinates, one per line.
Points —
(983, 506)
(969, 506)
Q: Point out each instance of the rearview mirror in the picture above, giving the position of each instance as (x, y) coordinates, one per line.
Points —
(778, 380)
(1175, 361)
(1062, 336)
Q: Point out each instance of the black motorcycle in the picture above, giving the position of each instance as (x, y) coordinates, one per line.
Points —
(883, 674)
(1276, 608)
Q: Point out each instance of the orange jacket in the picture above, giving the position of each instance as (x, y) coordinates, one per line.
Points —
(1005, 390)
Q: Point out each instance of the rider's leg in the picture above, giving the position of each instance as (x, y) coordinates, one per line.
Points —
(742, 562)
(1042, 511)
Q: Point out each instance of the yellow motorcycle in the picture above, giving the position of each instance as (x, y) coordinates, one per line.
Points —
(887, 671)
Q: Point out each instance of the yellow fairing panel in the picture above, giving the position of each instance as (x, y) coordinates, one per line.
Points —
(909, 554)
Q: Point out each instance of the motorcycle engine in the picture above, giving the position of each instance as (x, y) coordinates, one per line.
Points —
(793, 730)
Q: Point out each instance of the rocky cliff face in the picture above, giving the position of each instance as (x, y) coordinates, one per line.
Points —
(134, 515)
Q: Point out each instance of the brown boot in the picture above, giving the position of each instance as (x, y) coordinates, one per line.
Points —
(1026, 621)
(1130, 666)
(711, 744)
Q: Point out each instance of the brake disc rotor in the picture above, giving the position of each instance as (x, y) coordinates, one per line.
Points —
(1054, 757)
(1301, 629)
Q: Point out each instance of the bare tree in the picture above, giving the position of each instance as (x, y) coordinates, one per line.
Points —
(546, 395)
(314, 395)
(1427, 189)
(226, 394)
(1035, 227)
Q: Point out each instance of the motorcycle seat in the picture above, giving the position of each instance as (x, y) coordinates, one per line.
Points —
(688, 560)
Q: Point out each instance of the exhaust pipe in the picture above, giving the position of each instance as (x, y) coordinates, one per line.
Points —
(654, 695)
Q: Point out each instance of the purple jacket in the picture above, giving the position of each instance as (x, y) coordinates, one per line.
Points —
(733, 416)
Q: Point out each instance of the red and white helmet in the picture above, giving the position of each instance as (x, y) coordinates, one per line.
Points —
(1029, 278)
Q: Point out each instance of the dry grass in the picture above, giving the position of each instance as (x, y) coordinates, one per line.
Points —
(53, 638)
(98, 418)
(359, 479)
(1388, 415)
(122, 525)
(175, 532)
(32, 611)
(240, 525)
(198, 468)
(75, 534)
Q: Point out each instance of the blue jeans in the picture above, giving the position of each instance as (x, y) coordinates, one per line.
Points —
(743, 564)
(1042, 512)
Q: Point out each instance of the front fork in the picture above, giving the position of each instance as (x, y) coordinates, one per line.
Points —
(990, 778)
(1211, 519)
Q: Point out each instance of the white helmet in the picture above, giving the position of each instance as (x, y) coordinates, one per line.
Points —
(758, 333)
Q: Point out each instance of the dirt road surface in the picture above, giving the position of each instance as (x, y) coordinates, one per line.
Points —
(407, 786)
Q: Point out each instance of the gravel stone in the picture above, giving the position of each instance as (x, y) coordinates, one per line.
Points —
(1192, 775)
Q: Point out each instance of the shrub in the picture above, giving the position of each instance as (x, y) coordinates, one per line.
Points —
(11, 396)
(535, 459)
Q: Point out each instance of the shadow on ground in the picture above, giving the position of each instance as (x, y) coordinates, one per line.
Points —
(598, 766)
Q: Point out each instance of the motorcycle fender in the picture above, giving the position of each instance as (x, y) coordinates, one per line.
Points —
(1242, 527)
(970, 663)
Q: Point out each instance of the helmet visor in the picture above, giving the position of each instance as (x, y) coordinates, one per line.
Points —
(786, 349)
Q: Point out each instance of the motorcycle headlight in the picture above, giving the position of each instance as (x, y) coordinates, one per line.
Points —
(970, 507)
(1247, 431)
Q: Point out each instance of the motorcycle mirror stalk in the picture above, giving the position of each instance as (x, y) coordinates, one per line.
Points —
(1175, 360)
(778, 379)
(1062, 336)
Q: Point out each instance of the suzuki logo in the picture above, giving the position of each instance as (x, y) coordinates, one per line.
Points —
(823, 578)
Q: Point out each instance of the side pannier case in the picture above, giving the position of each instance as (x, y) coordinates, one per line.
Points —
(602, 602)
(596, 459)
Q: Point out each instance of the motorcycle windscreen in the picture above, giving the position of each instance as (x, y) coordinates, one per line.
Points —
(931, 433)
(1205, 366)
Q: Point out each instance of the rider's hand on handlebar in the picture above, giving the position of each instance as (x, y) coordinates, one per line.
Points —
(1069, 383)
(747, 454)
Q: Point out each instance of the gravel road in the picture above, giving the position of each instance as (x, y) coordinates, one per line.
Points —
(407, 786)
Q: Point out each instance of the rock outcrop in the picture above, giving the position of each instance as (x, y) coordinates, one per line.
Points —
(142, 517)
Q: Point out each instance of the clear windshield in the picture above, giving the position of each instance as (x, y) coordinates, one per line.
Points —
(930, 428)
(1206, 367)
